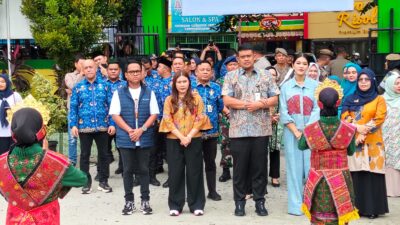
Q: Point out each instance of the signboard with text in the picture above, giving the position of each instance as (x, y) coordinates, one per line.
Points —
(189, 24)
(343, 24)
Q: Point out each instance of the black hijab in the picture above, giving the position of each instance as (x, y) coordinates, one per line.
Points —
(329, 97)
(3, 102)
(26, 123)
(355, 101)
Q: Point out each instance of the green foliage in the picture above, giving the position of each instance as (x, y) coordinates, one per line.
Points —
(42, 91)
(65, 27)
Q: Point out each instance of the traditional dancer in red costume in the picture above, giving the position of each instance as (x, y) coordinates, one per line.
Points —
(328, 193)
(32, 179)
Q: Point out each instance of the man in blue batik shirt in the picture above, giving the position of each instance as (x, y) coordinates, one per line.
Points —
(115, 83)
(162, 88)
(210, 92)
(89, 121)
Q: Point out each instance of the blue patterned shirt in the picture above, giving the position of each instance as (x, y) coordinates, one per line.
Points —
(162, 88)
(213, 105)
(117, 84)
(150, 78)
(90, 105)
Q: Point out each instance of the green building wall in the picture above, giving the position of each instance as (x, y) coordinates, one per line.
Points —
(154, 17)
(384, 7)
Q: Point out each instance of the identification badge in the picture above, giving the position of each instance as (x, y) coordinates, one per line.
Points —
(257, 96)
(209, 108)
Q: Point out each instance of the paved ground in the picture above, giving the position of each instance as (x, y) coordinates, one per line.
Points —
(104, 209)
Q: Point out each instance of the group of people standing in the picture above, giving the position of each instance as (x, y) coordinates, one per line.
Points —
(337, 131)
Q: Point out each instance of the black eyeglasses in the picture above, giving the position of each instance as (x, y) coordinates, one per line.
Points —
(133, 72)
(364, 79)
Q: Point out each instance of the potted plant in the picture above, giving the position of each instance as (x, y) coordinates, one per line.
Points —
(43, 91)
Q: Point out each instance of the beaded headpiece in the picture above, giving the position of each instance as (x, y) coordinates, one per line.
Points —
(328, 84)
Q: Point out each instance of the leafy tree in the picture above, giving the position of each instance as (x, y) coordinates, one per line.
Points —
(65, 27)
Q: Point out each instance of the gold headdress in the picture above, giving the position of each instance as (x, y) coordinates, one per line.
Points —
(328, 84)
(30, 102)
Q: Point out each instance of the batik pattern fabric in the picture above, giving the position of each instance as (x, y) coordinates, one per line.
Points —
(32, 200)
(116, 85)
(391, 138)
(162, 88)
(89, 107)
(223, 138)
(275, 142)
(151, 78)
(369, 155)
(249, 87)
(183, 119)
(213, 105)
(328, 193)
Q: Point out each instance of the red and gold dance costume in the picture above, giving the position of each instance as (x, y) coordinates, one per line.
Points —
(328, 193)
(34, 200)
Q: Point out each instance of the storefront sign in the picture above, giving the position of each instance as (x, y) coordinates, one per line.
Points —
(283, 22)
(189, 24)
(342, 24)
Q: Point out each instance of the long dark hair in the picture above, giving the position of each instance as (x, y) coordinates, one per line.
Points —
(187, 100)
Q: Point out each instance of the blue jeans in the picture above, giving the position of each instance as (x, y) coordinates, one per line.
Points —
(72, 146)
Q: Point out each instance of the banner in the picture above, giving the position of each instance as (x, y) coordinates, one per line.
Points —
(19, 24)
(234, 7)
(189, 24)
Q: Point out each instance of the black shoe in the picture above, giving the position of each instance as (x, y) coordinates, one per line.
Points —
(145, 208)
(239, 210)
(214, 196)
(118, 171)
(96, 178)
(88, 187)
(165, 185)
(371, 217)
(154, 181)
(226, 175)
(129, 208)
(260, 208)
(104, 187)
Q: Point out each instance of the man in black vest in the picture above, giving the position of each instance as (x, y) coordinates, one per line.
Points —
(135, 109)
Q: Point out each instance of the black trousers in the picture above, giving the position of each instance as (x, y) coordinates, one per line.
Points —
(249, 164)
(274, 164)
(209, 155)
(180, 160)
(136, 161)
(109, 150)
(157, 152)
(101, 139)
(5, 144)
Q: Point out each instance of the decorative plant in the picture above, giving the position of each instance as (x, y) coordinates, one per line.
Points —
(42, 91)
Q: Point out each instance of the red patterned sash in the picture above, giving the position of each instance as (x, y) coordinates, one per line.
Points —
(343, 136)
(315, 137)
(40, 184)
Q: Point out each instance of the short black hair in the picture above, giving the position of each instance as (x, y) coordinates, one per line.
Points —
(245, 47)
(177, 52)
(205, 62)
(77, 57)
(132, 62)
(178, 58)
(114, 61)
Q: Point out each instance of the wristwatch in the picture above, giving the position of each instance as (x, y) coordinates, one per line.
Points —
(144, 128)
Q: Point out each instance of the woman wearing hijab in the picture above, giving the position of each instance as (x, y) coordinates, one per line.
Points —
(32, 188)
(314, 72)
(391, 138)
(329, 197)
(335, 79)
(349, 82)
(367, 110)
(8, 98)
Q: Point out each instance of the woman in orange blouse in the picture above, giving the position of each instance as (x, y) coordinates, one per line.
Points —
(367, 110)
(183, 120)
